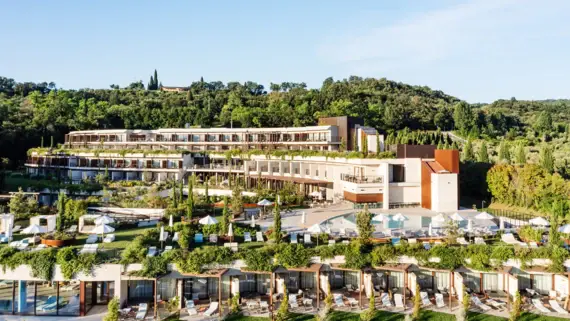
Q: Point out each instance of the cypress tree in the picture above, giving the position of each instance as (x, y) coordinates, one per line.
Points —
(155, 84)
(504, 153)
(520, 155)
(225, 217)
(51, 142)
(468, 151)
(190, 200)
(454, 145)
(42, 142)
(547, 158)
(150, 83)
(277, 224)
(483, 153)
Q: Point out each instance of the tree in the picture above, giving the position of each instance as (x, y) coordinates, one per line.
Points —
(483, 155)
(207, 195)
(237, 200)
(22, 206)
(190, 201)
(276, 223)
(547, 158)
(504, 153)
(368, 315)
(112, 310)
(516, 307)
(544, 123)
(226, 217)
(520, 154)
(463, 118)
(468, 151)
(283, 311)
(364, 225)
(61, 200)
(417, 303)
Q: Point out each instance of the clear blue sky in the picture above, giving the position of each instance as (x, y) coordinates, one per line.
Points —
(478, 50)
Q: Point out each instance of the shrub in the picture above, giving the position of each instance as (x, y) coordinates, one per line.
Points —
(368, 315)
(113, 310)
(283, 311)
(516, 307)
(529, 234)
(417, 303)
(234, 304)
(293, 255)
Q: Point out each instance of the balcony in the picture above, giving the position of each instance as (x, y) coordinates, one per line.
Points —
(362, 179)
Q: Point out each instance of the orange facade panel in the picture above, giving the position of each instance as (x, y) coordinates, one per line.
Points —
(448, 159)
(427, 170)
(364, 198)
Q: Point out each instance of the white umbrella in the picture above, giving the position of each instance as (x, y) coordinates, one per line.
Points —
(501, 224)
(279, 199)
(316, 229)
(399, 217)
(439, 218)
(102, 229)
(32, 229)
(231, 231)
(252, 220)
(208, 220)
(430, 230)
(457, 217)
(303, 218)
(171, 222)
(380, 218)
(539, 221)
(564, 229)
(104, 220)
(161, 236)
(484, 216)
(264, 202)
(470, 226)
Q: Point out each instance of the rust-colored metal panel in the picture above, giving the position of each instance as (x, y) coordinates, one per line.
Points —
(363, 198)
(448, 159)
(82, 298)
(426, 185)
(413, 151)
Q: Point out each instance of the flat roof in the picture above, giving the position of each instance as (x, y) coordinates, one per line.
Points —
(201, 130)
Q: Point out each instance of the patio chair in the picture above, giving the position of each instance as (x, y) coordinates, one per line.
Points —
(175, 237)
(91, 239)
(213, 238)
(141, 313)
(190, 307)
(425, 299)
(395, 241)
(475, 299)
(509, 238)
(399, 301)
(308, 304)
(462, 241)
(339, 303)
(212, 309)
(151, 251)
(439, 302)
(109, 238)
(294, 238)
(247, 237)
(537, 303)
(72, 229)
(259, 236)
(198, 238)
(385, 298)
(554, 305)
(307, 239)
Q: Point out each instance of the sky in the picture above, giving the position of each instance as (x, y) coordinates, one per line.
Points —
(477, 50)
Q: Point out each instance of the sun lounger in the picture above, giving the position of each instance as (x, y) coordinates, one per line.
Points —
(332, 242)
(198, 238)
(213, 238)
(426, 245)
(342, 232)
(167, 248)
(294, 238)
(91, 239)
(23, 246)
(386, 300)
(233, 246)
(533, 245)
(496, 304)
(395, 241)
(212, 309)
(89, 248)
(151, 251)
(439, 300)
(554, 305)
(307, 239)
(425, 299)
(479, 304)
(480, 240)
(247, 237)
(462, 241)
(175, 237)
(412, 241)
(509, 238)
(109, 238)
(339, 303)
(4, 239)
(72, 229)
(50, 304)
(141, 313)
(190, 307)
(40, 247)
(539, 306)
(399, 301)
(259, 236)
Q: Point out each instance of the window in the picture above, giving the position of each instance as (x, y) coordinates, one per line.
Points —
(398, 173)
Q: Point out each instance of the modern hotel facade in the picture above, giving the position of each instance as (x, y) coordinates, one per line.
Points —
(417, 176)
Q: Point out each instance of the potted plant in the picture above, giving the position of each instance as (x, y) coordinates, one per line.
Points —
(57, 239)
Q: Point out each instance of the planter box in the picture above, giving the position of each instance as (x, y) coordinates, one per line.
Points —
(56, 243)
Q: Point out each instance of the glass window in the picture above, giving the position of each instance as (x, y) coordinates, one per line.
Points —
(105, 291)
(6, 296)
(88, 296)
(68, 298)
(46, 298)
(141, 290)
(166, 289)
(490, 282)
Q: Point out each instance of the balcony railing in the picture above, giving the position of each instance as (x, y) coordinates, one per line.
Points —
(362, 179)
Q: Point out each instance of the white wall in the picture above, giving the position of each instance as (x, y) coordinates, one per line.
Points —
(412, 282)
(444, 196)
(561, 285)
(405, 194)
(458, 285)
(413, 170)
